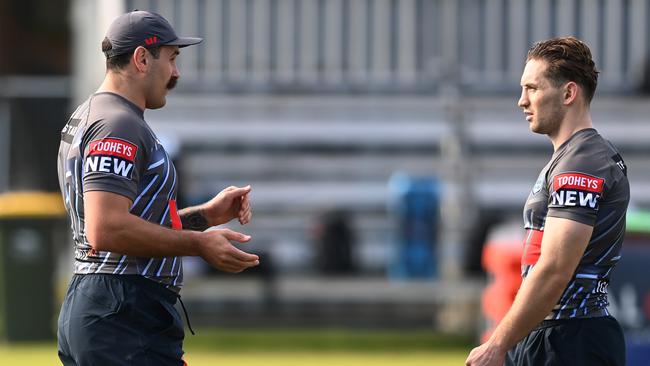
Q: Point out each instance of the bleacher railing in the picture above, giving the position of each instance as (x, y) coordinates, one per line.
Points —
(395, 45)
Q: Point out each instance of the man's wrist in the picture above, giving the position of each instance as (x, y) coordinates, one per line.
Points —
(196, 242)
(498, 343)
(194, 219)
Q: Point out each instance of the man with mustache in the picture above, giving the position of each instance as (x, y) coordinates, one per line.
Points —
(119, 188)
(575, 222)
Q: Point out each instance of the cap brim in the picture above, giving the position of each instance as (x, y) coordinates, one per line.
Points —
(184, 41)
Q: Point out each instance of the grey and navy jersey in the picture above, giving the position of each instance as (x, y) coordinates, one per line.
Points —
(107, 146)
(585, 181)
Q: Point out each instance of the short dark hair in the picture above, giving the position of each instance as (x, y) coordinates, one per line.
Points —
(569, 59)
(119, 62)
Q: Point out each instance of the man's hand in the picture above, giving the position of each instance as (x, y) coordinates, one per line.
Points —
(232, 202)
(486, 355)
(216, 249)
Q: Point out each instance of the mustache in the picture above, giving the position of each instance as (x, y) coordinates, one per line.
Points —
(172, 83)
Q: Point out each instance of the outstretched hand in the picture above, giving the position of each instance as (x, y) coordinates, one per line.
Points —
(232, 202)
(217, 249)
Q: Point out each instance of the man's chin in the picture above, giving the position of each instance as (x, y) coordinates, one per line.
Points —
(535, 128)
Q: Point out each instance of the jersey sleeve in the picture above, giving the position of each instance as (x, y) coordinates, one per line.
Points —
(114, 155)
(576, 189)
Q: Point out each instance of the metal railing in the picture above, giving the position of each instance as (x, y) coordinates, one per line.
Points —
(395, 45)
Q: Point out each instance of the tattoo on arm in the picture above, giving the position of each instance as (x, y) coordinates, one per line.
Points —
(193, 219)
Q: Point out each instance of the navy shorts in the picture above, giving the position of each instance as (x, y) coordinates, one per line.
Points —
(119, 320)
(576, 342)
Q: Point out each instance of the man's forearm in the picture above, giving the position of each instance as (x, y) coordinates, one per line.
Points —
(192, 218)
(134, 236)
(537, 296)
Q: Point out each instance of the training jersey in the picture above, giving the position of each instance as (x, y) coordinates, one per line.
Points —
(585, 181)
(107, 146)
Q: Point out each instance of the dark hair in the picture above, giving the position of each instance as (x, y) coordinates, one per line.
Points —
(569, 59)
(119, 62)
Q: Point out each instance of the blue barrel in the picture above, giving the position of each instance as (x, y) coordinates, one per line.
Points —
(415, 205)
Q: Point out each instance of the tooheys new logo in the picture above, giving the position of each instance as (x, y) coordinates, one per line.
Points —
(111, 155)
(576, 189)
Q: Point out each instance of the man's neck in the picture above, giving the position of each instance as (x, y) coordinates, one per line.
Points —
(121, 85)
(572, 123)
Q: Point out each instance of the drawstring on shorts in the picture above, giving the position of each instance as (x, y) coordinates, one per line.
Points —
(187, 318)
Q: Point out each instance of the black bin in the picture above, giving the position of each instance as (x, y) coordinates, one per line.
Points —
(30, 223)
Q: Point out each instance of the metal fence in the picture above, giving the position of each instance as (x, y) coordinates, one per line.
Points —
(395, 45)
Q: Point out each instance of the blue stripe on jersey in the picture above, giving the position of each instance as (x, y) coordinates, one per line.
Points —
(108, 254)
(144, 191)
(584, 301)
(117, 268)
(586, 275)
(610, 269)
(162, 264)
(125, 267)
(153, 198)
(156, 164)
(164, 215)
(567, 303)
(171, 192)
(147, 267)
(178, 272)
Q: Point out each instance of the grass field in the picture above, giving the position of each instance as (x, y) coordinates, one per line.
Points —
(289, 347)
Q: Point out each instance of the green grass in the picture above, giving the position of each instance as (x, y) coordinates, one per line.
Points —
(291, 347)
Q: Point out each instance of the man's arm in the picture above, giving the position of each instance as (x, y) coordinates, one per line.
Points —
(111, 227)
(563, 245)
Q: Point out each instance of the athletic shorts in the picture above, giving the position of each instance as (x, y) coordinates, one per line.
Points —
(119, 320)
(572, 342)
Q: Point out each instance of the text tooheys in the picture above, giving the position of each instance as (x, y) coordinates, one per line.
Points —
(113, 147)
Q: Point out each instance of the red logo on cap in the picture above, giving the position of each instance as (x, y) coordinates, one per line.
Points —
(151, 40)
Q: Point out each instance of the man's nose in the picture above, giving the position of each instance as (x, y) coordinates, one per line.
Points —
(523, 100)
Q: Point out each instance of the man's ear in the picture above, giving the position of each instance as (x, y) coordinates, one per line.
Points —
(140, 58)
(570, 91)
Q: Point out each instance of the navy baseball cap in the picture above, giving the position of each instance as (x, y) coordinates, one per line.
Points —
(143, 28)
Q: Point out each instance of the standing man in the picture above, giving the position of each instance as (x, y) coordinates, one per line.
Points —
(575, 222)
(119, 187)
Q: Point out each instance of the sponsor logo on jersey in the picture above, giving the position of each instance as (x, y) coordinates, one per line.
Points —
(620, 163)
(576, 189)
(111, 155)
(70, 129)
